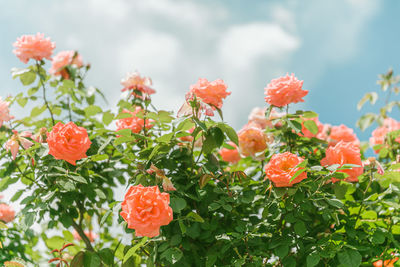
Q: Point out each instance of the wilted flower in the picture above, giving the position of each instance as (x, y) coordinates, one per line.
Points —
(17, 139)
(133, 81)
(33, 47)
(40, 136)
(4, 112)
(62, 60)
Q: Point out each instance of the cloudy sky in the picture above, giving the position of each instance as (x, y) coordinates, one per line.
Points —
(336, 46)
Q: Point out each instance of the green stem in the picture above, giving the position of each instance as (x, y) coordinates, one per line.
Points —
(44, 93)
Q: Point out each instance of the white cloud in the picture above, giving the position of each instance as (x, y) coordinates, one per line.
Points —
(243, 45)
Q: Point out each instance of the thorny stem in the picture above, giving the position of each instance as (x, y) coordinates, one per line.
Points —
(44, 94)
(362, 201)
(85, 239)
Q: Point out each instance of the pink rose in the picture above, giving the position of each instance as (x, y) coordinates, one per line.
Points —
(4, 112)
(62, 60)
(33, 47)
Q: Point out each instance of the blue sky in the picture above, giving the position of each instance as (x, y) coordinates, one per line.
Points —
(337, 47)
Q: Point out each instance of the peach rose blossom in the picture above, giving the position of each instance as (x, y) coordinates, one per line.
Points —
(388, 263)
(4, 112)
(7, 213)
(145, 209)
(344, 153)
(342, 133)
(379, 134)
(33, 47)
(68, 142)
(284, 90)
(62, 60)
(252, 140)
(282, 167)
(230, 155)
(133, 81)
(16, 140)
(134, 123)
(209, 94)
(91, 235)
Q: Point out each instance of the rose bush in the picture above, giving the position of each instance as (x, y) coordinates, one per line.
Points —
(186, 189)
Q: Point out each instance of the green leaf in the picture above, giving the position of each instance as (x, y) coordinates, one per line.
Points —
(281, 251)
(172, 255)
(3, 225)
(177, 204)
(195, 217)
(295, 125)
(349, 258)
(107, 256)
(78, 260)
(313, 259)
(104, 218)
(78, 178)
(91, 259)
(55, 242)
(22, 101)
(311, 126)
(132, 251)
(371, 97)
(310, 114)
(300, 228)
(108, 116)
(100, 193)
(27, 77)
(335, 202)
(36, 111)
(17, 195)
(92, 110)
(166, 137)
(124, 132)
(230, 132)
(99, 157)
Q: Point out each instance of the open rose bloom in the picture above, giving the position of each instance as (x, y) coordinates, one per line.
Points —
(134, 123)
(342, 133)
(134, 81)
(33, 47)
(68, 142)
(209, 95)
(344, 153)
(230, 155)
(7, 213)
(64, 59)
(284, 90)
(281, 169)
(252, 141)
(145, 209)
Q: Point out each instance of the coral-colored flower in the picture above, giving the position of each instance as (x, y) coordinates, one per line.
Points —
(68, 142)
(133, 81)
(342, 133)
(252, 140)
(282, 167)
(344, 153)
(168, 185)
(210, 96)
(230, 155)
(40, 136)
(7, 213)
(379, 134)
(134, 123)
(145, 209)
(307, 133)
(33, 47)
(62, 60)
(16, 140)
(91, 235)
(4, 112)
(284, 90)
(388, 263)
